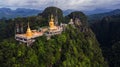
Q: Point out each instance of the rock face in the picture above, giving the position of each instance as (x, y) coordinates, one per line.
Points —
(79, 15)
(52, 10)
(107, 32)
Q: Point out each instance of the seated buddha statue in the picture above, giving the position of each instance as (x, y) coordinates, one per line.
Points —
(51, 23)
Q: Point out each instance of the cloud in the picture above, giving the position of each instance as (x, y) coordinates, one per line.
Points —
(63, 4)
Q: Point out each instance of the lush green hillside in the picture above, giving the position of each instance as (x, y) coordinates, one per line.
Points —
(70, 49)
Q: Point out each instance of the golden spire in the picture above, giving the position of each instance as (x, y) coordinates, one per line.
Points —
(28, 32)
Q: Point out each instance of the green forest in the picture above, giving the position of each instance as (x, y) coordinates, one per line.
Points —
(76, 46)
(107, 31)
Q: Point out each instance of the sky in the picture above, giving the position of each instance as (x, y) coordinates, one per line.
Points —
(63, 4)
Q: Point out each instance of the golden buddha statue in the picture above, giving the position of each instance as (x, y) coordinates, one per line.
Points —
(51, 23)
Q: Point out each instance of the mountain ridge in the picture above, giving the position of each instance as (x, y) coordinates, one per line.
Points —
(24, 12)
(19, 12)
(99, 16)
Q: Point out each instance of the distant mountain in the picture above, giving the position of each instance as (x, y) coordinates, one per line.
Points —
(66, 12)
(20, 12)
(23, 12)
(96, 11)
(101, 15)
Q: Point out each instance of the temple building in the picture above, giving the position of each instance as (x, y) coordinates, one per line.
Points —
(29, 36)
(51, 30)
